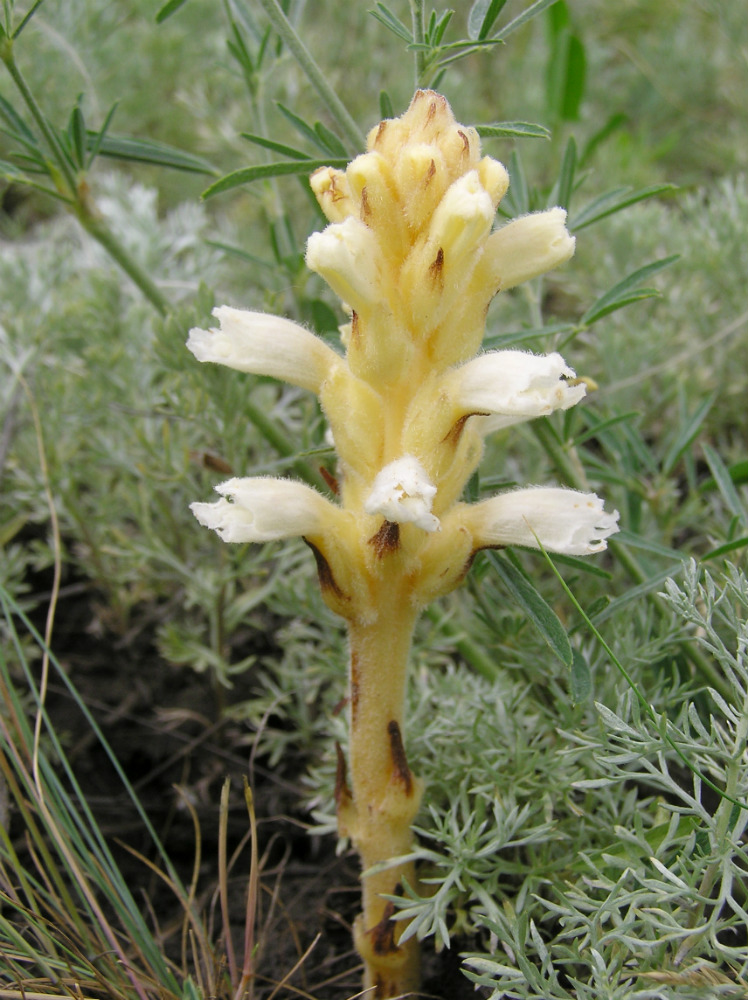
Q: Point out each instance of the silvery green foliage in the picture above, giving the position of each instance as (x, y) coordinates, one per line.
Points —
(590, 861)
(659, 910)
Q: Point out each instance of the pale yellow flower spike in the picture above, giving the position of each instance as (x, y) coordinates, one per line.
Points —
(412, 251)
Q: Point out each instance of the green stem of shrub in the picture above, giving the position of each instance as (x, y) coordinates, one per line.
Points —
(419, 35)
(356, 140)
(96, 227)
(55, 148)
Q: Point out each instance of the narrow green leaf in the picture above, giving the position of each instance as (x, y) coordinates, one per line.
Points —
(566, 176)
(616, 297)
(276, 147)
(481, 18)
(17, 125)
(738, 473)
(517, 199)
(514, 130)
(527, 15)
(634, 593)
(10, 172)
(95, 139)
(77, 136)
(302, 127)
(603, 425)
(241, 253)
(631, 540)
(624, 300)
(612, 124)
(386, 109)
(462, 47)
(615, 201)
(725, 484)
(558, 19)
(687, 433)
(169, 8)
(542, 616)
(385, 16)
(144, 151)
(583, 566)
(597, 607)
(576, 74)
(238, 49)
(27, 17)
(504, 340)
(581, 679)
(329, 140)
(441, 26)
(246, 175)
(722, 550)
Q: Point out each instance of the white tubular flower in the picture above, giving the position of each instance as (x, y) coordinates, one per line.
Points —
(265, 510)
(514, 386)
(345, 254)
(402, 492)
(564, 521)
(463, 216)
(527, 247)
(265, 345)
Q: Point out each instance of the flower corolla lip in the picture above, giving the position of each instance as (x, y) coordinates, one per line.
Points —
(403, 493)
(345, 254)
(463, 216)
(527, 247)
(264, 510)
(514, 386)
(564, 521)
(264, 344)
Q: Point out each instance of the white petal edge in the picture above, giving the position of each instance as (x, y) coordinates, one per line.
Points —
(463, 217)
(527, 247)
(564, 521)
(403, 493)
(265, 510)
(264, 344)
(346, 255)
(514, 385)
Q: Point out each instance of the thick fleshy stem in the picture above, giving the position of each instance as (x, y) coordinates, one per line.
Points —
(377, 808)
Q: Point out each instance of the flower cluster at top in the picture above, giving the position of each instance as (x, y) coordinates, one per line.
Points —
(412, 251)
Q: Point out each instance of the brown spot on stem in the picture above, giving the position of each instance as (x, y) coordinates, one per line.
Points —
(399, 760)
(455, 433)
(330, 480)
(342, 791)
(436, 269)
(365, 207)
(326, 579)
(354, 327)
(429, 174)
(387, 539)
(354, 686)
(380, 131)
(383, 934)
(431, 112)
(465, 142)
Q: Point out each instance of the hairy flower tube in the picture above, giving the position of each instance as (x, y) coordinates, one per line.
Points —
(412, 250)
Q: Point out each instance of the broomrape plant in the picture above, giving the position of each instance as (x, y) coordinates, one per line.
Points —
(412, 253)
